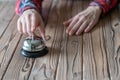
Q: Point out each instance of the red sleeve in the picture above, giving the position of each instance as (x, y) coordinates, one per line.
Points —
(22, 5)
(106, 5)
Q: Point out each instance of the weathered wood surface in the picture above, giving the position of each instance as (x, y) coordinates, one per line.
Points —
(90, 56)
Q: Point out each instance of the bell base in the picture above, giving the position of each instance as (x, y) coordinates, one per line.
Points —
(35, 54)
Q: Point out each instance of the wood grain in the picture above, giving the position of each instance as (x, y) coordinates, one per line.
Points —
(6, 14)
(2, 4)
(111, 32)
(46, 5)
(70, 60)
(22, 66)
(8, 44)
(90, 56)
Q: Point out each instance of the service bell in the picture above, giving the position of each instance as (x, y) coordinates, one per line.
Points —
(34, 47)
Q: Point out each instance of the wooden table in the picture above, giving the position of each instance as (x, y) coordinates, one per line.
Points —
(90, 56)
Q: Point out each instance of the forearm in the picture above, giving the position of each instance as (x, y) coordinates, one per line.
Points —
(105, 5)
(23, 5)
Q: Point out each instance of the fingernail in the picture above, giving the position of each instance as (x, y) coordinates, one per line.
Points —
(85, 31)
(78, 34)
(66, 31)
(43, 37)
(70, 34)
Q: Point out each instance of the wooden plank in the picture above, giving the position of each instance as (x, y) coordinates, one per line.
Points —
(89, 71)
(2, 4)
(99, 52)
(46, 4)
(95, 63)
(46, 69)
(70, 61)
(20, 66)
(112, 34)
(6, 14)
(8, 43)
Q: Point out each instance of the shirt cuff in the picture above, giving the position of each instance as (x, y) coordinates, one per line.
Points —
(98, 4)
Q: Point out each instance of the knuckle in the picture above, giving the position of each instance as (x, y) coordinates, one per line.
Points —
(33, 29)
(28, 30)
(72, 30)
(24, 32)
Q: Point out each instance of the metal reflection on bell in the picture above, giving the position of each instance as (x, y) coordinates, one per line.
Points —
(34, 47)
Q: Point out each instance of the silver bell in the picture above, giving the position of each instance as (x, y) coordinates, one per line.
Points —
(34, 47)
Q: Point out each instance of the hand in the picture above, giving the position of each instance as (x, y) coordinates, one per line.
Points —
(83, 21)
(29, 21)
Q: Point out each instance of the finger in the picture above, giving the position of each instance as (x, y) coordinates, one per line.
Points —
(24, 30)
(66, 23)
(76, 27)
(19, 26)
(33, 23)
(28, 24)
(42, 29)
(90, 26)
(74, 21)
(82, 27)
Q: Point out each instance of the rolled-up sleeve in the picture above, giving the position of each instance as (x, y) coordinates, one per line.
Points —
(22, 5)
(106, 5)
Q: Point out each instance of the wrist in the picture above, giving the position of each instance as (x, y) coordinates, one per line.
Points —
(31, 11)
(97, 8)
